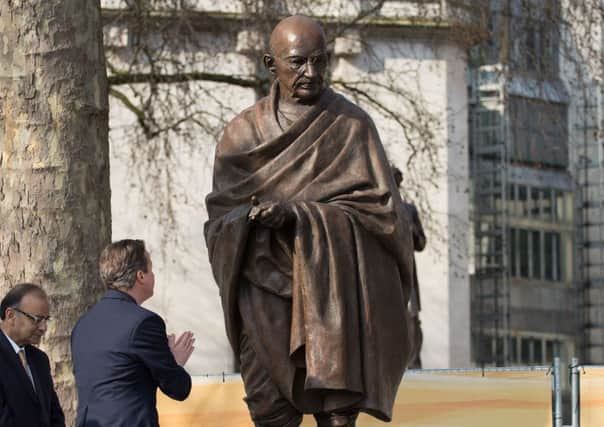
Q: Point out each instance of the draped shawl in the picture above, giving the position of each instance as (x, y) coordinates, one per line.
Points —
(345, 261)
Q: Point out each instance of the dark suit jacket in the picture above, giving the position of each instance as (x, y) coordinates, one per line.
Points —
(120, 356)
(20, 405)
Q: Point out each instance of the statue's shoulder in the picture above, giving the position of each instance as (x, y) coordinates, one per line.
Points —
(241, 132)
(244, 119)
(350, 110)
(353, 115)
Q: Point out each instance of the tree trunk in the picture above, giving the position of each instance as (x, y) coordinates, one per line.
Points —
(55, 212)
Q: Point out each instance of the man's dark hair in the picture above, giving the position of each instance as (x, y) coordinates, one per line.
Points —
(120, 261)
(15, 295)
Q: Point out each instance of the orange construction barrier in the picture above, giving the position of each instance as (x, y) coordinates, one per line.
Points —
(592, 396)
(473, 398)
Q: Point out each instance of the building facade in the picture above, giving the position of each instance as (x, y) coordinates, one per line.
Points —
(537, 186)
(501, 150)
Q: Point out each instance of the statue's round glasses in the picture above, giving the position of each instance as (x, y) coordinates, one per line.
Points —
(34, 318)
(298, 63)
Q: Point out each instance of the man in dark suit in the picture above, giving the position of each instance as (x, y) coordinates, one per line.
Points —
(27, 393)
(120, 350)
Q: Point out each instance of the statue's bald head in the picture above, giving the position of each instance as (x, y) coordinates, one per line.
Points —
(298, 58)
(295, 30)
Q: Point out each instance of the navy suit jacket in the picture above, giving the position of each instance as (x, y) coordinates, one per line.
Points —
(20, 404)
(120, 356)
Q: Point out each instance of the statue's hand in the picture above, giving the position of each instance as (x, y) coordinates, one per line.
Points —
(271, 214)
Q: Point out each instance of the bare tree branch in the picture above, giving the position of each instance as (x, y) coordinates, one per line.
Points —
(382, 108)
(124, 78)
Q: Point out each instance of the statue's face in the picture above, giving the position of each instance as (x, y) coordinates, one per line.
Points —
(299, 63)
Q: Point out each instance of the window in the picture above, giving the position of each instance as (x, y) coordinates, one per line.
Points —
(531, 351)
(534, 206)
(523, 348)
(513, 349)
(522, 200)
(512, 204)
(538, 132)
(525, 351)
(513, 253)
(549, 258)
(546, 204)
(563, 206)
(529, 55)
(552, 256)
(536, 41)
(523, 249)
(558, 207)
(489, 127)
(536, 254)
(543, 204)
(537, 351)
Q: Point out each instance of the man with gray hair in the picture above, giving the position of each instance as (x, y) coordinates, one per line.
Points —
(121, 353)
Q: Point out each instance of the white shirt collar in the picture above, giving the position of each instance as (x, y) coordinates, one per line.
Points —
(14, 344)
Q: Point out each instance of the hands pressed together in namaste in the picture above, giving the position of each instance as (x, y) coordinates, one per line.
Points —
(181, 347)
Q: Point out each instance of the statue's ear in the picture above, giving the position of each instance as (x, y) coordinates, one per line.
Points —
(269, 63)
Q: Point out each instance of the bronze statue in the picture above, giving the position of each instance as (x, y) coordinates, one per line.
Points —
(310, 247)
(419, 244)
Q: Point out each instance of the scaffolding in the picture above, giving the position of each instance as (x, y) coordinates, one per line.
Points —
(589, 175)
(490, 169)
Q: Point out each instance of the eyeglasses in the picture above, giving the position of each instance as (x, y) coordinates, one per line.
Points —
(36, 319)
(297, 63)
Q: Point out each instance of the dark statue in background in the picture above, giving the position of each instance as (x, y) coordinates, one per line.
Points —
(419, 243)
(310, 246)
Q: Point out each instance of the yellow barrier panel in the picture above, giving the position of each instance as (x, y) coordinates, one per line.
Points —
(212, 403)
(592, 396)
(467, 399)
(457, 399)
